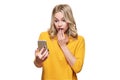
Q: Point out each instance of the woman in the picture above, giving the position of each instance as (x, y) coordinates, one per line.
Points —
(65, 54)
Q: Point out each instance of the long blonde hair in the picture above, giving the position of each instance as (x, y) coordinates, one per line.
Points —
(68, 15)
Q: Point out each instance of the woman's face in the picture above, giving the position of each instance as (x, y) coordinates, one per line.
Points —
(60, 22)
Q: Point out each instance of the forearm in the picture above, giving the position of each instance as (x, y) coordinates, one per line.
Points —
(68, 55)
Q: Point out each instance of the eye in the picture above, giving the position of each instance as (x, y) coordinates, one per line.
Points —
(64, 20)
(56, 20)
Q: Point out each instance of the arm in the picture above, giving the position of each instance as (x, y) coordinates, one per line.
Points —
(38, 61)
(76, 60)
(68, 55)
(40, 57)
(62, 41)
(79, 55)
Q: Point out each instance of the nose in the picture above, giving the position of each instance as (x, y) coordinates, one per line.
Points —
(60, 23)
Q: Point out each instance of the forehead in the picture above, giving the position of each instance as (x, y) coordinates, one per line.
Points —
(59, 15)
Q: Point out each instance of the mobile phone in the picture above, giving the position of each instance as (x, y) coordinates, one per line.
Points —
(41, 44)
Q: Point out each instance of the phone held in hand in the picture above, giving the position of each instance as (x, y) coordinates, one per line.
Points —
(41, 44)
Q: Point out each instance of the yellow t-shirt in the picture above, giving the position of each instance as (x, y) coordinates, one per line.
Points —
(56, 67)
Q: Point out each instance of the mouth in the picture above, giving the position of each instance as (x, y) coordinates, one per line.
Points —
(60, 29)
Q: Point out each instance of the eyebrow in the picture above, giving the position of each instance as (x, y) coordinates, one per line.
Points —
(61, 18)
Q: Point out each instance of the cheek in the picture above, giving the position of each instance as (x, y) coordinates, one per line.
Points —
(55, 25)
(66, 27)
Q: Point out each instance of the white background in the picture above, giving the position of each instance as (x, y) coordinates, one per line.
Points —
(21, 22)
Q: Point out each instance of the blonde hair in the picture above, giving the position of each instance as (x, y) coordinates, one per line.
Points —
(68, 15)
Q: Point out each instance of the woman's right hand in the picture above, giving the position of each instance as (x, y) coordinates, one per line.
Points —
(40, 56)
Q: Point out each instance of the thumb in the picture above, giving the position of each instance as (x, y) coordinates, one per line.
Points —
(36, 52)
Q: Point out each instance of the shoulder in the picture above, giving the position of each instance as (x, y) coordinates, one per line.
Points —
(81, 41)
(80, 37)
(43, 35)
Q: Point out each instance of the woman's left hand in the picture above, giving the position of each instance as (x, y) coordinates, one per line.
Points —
(62, 39)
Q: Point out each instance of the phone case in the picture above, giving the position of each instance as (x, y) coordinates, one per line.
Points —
(42, 43)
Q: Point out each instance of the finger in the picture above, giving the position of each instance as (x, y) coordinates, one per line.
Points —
(62, 33)
(59, 32)
(58, 35)
(37, 50)
(42, 50)
(62, 36)
(40, 53)
(45, 54)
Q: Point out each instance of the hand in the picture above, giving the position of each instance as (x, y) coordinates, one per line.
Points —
(42, 54)
(62, 39)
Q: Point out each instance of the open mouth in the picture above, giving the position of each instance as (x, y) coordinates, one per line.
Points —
(60, 29)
